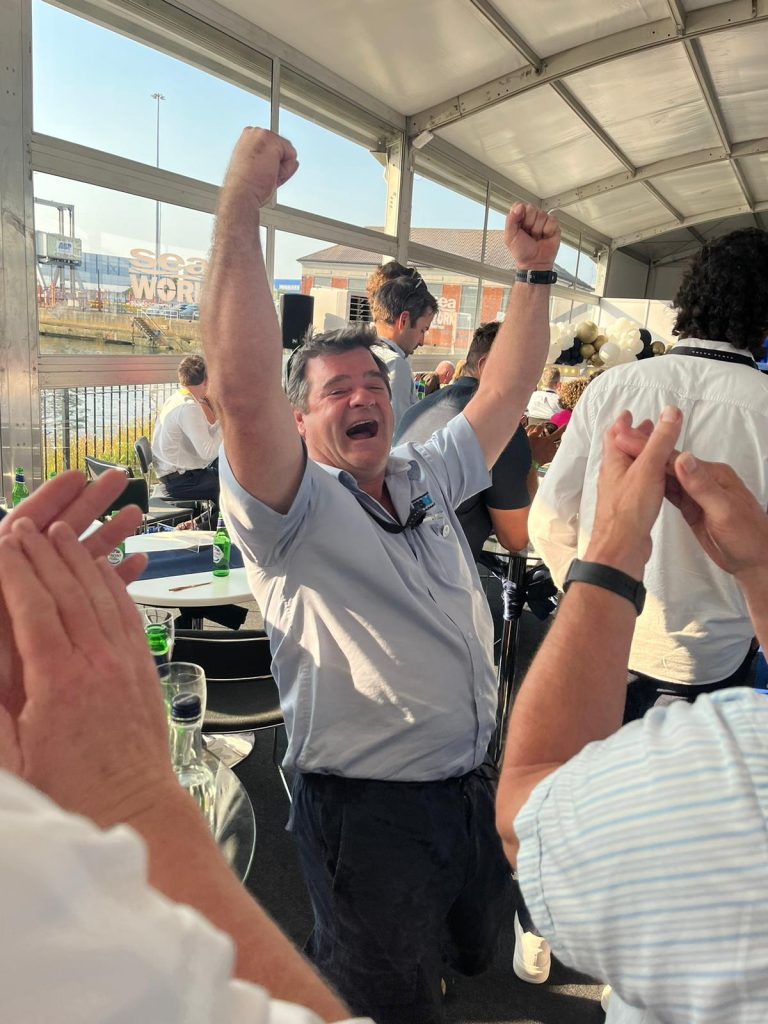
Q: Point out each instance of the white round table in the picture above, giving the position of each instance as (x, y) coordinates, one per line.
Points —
(198, 589)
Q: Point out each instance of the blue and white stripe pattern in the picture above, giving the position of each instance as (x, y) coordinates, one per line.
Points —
(644, 861)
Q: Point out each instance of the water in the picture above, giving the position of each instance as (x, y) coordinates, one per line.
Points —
(199, 782)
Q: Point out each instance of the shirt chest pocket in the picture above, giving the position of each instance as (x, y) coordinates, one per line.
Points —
(442, 549)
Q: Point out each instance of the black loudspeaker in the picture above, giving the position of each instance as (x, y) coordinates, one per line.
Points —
(296, 317)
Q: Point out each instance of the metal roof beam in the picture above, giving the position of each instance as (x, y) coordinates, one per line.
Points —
(583, 115)
(504, 29)
(678, 14)
(687, 222)
(697, 158)
(587, 55)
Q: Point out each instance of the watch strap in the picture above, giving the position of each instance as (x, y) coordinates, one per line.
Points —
(608, 578)
(536, 276)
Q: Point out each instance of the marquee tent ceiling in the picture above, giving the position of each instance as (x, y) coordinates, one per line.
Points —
(645, 120)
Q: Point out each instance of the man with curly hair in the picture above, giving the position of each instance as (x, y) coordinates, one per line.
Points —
(694, 634)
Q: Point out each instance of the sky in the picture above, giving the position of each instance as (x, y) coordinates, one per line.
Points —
(94, 87)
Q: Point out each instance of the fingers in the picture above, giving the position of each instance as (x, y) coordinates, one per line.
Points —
(700, 484)
(131, 568)
(661, 444)
(48, 502)
(132, 626)
(108, 536)
(72, 603)
(93, 501)
(34, 615)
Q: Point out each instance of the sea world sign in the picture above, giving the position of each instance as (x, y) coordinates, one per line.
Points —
(165, 278)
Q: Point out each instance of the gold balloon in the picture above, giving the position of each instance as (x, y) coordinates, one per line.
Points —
(587, 351)
(658, 348)
(599, 341)
(587, 331)
(595, 360)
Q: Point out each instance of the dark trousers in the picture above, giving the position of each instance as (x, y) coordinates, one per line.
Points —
(406, 879)
(194, 484)
(645, 692)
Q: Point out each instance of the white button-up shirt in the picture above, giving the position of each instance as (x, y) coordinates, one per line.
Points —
(400, 376)
(382, 642)
(183, 438)
(542, 405)
(695, 627)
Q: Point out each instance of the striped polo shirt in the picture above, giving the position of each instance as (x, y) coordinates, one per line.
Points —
(644, 861)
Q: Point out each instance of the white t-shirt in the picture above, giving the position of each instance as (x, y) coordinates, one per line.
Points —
(183, 438)
(542, 405)
(86, 940)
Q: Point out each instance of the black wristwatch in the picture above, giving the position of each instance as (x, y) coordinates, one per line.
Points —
(536, 277)
(608, 578)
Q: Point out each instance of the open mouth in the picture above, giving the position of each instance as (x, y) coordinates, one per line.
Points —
(363, 430)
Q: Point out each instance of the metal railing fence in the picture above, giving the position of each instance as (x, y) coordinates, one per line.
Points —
(103, 421)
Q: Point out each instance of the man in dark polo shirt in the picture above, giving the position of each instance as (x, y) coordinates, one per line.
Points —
(502, 508)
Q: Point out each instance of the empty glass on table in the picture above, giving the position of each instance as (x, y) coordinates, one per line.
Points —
(181, 677)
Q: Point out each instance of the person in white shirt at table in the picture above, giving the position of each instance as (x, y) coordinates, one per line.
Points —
(545, 401)
(186, 438)
(694, 634)
(117, 904)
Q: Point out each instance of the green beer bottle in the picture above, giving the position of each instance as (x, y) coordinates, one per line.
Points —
(221, 548)
(157, 638)
(116, 555)
(20, 490)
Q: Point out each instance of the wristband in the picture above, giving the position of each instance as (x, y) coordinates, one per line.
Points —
(536, 277)
(608, 578)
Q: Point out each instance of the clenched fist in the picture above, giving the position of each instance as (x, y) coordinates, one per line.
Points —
(260, 163)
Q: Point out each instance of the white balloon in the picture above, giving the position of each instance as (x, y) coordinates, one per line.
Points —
(636, 346)
(554, 352)
(609, 352)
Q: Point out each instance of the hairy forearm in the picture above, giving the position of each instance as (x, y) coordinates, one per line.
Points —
(574, 693)
(186, 865)
(241, 335)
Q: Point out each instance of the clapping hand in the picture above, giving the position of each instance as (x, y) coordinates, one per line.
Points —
(65, 499)
(630, 492)
(91, 733)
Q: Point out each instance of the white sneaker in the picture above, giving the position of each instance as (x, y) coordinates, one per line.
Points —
(605, 996)
(532, 960)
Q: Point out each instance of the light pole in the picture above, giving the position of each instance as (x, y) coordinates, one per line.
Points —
(158, 96)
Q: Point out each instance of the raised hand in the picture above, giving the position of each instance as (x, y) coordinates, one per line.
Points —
(532, 237)
(629, 494)
(92, 731)
(260, 163)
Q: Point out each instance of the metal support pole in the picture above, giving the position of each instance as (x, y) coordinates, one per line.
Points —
(515, 583)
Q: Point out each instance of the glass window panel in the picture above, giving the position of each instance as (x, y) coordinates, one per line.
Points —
(445, 219)
(339, 176)
(107, 281)
(106, 101)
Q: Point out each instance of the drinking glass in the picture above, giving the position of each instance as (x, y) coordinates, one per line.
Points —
(161, 617)
(181, 677)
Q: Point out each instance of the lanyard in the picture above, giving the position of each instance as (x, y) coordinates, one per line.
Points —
(418, 511)
(713, 353)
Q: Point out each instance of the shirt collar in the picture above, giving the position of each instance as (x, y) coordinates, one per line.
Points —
(393, 345)
(396, 466)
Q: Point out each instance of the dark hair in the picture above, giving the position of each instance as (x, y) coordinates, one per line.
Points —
(724, 292)
(191, 370)
(346, 339)
(405, 294)
(388, 272)
(480, 346)
(431, 383)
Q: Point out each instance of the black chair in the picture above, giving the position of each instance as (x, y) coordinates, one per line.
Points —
(242, 693)
(158, 493)
(136, 493)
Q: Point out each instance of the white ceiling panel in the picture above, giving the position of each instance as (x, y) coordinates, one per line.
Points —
(701, 189)
(739, 69)
(537, 141)
(649, 104)
(621, 212)
(550, 26)
(755, 170)
(409, 54)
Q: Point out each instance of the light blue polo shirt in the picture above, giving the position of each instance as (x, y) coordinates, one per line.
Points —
(382, 643)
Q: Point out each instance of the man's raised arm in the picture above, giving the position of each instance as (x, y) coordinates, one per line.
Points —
(520, 350)
(241, 335)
